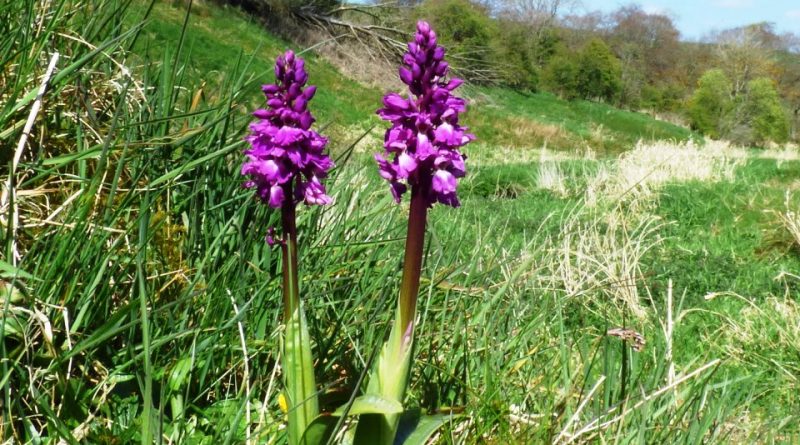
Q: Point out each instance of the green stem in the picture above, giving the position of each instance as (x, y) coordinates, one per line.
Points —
(389, 378)
(298, 364)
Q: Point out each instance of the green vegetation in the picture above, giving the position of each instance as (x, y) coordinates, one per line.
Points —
(216, 37)
(628, 57)
(599, 71)
(140, 301)
(711, 102)
(753, 117)
(763, 107)
(506, 117)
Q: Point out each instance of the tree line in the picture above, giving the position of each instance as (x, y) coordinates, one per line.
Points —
(740, 84)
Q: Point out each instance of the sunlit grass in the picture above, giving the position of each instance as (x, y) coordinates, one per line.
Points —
(143, 272)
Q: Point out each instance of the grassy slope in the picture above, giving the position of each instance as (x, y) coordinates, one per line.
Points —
(488, 341)
(217, 37)
(721, 240)
(509, 117)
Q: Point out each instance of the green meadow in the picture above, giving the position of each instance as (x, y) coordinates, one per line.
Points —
(138, 293)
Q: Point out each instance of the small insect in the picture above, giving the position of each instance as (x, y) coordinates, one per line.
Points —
(635, 339)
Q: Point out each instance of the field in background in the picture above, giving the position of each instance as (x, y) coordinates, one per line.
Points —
(217, 38)
(145, 297)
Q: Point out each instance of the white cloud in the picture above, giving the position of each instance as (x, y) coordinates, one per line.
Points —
(793, 14)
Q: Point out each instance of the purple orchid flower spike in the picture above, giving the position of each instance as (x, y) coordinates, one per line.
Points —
(421, 153)
(285, 161)
(285, 164)
(422, 145)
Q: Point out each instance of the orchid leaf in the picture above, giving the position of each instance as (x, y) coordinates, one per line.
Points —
(298, 365)
(416, 429)
(370, 404)
(319, 430)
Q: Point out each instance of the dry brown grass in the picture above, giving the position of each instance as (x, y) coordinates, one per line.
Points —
(535, 134)
(640, 173)
(350, 60)
(598, 254)
(790, 218)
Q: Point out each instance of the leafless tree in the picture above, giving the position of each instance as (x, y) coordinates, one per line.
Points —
(745, 52)
(539, 15)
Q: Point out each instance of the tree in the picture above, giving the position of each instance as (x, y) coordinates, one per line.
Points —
(745, 53)
(539, 16)
(516, 54)
(598, 72)
(560, 75)
(527, 36)
(648, 47)
(763, 111)
(710, 103)
(788, 75)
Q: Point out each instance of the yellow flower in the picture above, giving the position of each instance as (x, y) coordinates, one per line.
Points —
(282, 403)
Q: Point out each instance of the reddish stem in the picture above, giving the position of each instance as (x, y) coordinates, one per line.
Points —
(291, 288)
(412, 263)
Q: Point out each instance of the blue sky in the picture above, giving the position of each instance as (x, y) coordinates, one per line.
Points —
(695, 18)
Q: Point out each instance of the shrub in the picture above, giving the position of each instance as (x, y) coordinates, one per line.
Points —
(560, 75)
(464, 27)
(710, 102)
(599, 72)
(665, 97)
(763, 111)
(515, 53)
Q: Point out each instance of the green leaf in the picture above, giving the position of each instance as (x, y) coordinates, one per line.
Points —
(371, 404)
(419, 430)
(12, 328)
(9, 293)
(298, 366)
(9, 271)
(319, 430)
(179, 373)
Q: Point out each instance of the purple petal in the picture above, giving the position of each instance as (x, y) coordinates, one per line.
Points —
(262, 113)
(288, 135)
(306, 120)
(270, 88)
(406, 76)
(423, 27)
(314, 192)
(385, 168)
(394, 101)
(300, 104)
(454, 83)
(406, 164)
(444, 132)
(424, 147)
(276, 196)
(444, 182)
(397, 188)
(293, 91)
(438, 54)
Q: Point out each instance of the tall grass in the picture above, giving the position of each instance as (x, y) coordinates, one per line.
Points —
(144, 304)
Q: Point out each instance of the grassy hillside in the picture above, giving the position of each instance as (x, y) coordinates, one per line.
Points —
(139, 298)
(220, 38)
